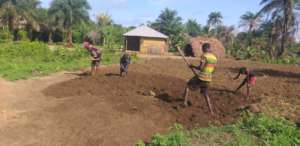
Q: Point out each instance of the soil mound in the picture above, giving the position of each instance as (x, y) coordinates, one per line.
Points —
(127, 95)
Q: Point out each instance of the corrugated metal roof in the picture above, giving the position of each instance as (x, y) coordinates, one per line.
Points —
(145, 31)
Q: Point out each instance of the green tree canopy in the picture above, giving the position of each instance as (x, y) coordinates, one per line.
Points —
(70, 12)
(250, 21)
(170, 24)
(192, 28)
(284, 10)
(214, 19)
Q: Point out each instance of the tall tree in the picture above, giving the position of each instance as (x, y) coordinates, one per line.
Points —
(214, 20)
(192, 28)
(16, 13)
(170, 24)
(250, 21)
(226, 35)
(286, 9)
(49, 22)
(70, 12)
(104, 19)
(9, 13)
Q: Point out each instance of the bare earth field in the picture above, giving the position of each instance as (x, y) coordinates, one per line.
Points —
(72, 109)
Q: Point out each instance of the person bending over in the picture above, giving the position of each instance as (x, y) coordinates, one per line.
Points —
(249, 80)
(96, 56)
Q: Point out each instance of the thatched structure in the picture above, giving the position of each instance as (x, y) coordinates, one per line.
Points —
(194, 47)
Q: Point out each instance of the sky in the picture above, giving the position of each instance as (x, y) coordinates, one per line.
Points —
(136, 12)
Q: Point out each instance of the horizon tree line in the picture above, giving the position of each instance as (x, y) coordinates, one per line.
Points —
(271, 29)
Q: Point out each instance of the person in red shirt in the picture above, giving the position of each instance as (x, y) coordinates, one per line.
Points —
(96, 56)
(249, 80)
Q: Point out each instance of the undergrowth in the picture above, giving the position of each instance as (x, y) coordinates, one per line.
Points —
(20, 60)
(250, 130)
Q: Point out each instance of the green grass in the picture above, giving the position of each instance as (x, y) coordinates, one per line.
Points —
(251, 130)
(21, 60)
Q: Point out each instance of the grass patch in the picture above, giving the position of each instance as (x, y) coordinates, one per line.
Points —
(249, 131)
(21, 60)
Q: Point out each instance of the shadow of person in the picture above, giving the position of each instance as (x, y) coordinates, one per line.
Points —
(270, 72)
(82, 74)
(112, 74)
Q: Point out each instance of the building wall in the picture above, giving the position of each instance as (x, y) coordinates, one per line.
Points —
(132, 43)
(153, 46)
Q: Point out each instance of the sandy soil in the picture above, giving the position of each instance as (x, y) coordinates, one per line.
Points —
(78, 110)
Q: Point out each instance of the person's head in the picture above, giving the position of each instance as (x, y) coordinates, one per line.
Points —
(206, 47)
(87, 45)
(243, 70)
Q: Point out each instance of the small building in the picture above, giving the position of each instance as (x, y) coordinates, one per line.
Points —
(146, 41)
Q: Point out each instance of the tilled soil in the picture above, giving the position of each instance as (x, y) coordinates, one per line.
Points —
(110, 110)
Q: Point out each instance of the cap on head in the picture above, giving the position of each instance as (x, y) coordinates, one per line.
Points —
(206, 47)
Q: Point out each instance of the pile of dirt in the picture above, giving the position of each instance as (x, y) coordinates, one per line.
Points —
(193, 48)
(128, 96)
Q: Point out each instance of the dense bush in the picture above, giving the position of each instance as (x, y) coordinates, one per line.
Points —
(251, 130)
(5, 35)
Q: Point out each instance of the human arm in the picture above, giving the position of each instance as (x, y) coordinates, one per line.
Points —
(238, 76)
(201, 65)
(241, 85)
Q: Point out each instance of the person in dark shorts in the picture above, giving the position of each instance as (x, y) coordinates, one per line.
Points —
(124, 64)
(96, 56)
(249, 80)
(204, 77)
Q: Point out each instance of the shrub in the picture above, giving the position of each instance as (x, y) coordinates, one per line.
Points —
(250, 130)
(270, 131)
(23, 35)
(176, 137)
(5, 35)
(20, 60)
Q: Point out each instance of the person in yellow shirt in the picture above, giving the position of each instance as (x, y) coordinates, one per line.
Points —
(204, 76)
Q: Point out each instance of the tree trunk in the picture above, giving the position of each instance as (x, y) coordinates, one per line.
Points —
(30, 34)
(11, 27)
(285, 29)
(11, 24)
(69, 38)
(250, 35)
(50, 40)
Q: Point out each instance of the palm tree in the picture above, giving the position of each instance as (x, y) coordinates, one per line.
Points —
(50, 23)
(250, 21)
(9, 13)
(29, 14)
(287, 10)
(169, 23)
(226, 35)
(16, 13)
(104, 19)
(214, 19)
(192, 28)
(70, 12)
